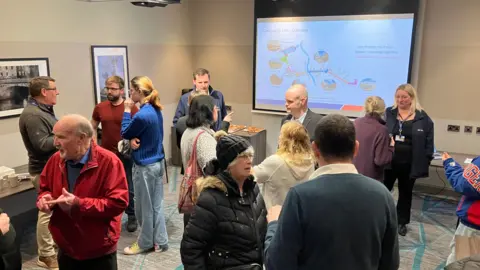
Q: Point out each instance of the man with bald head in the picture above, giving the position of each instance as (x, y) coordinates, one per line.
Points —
(85, 188)
(296, 102)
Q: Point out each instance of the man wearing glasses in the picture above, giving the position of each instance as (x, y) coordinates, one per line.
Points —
(110, 113)
(36, 127)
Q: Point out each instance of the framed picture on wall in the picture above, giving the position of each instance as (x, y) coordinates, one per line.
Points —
(108, 61)
(15, 74)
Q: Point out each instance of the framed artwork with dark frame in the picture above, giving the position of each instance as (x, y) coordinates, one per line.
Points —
(108, 61)
(15, 75)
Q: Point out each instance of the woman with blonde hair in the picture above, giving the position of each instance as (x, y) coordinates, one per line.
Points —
(145, 132)
(412, 130)
(376, 146)
(292, 164)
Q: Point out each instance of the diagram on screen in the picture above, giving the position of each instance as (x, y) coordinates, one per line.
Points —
(291, 62)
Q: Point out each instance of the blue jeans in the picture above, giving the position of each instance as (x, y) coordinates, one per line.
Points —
(148, 182)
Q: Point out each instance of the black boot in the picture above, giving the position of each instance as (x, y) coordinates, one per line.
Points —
(402, 229)
(132, 224)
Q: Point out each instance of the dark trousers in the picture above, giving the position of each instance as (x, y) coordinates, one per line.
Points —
(11, 259)
(106, 262)
(405, 188)
(128, 166)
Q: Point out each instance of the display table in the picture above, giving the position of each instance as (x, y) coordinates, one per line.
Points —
(458, 157)
(20, 204)
(257, 138)
(10, 191)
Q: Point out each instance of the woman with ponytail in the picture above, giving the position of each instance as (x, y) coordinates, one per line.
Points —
(228, 225)
(145, 132)
(376, 145)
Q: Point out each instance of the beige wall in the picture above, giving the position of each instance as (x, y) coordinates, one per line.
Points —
(64, 30)
(447, 65)
(218, 35)
(222, 39)
(446, 68)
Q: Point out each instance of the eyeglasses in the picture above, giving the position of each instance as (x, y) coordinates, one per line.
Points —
(111, 88)
(54, 89)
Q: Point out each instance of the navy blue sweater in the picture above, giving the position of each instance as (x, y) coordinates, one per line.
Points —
(335, 221)
(147, 126)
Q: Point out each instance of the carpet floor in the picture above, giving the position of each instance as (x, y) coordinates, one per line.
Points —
(426, 246)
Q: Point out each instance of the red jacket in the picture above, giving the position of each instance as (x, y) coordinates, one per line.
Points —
(92, 228)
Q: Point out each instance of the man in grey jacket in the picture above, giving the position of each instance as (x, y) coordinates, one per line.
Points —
(36, 127)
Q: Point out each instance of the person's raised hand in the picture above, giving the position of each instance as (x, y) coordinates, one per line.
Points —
(4, 223)
(65, 201)
(44, 205)
(228, 118)
(135, 143)
(128, 103)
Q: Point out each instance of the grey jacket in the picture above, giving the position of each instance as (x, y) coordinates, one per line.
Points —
(36, 127)
(310, 122)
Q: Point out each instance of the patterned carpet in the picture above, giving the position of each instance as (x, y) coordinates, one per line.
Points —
(425, 246)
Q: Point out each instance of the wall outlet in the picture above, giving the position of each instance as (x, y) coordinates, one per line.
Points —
(478, 130)
(453, 128)
(468, 129)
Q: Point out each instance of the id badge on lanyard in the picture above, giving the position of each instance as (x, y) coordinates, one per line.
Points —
(400, 137)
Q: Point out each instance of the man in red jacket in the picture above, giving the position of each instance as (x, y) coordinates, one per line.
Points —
(85, 188)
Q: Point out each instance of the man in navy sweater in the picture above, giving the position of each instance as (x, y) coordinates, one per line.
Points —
(201, 81)
(337, 220)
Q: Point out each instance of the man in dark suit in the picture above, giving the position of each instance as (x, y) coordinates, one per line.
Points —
(296, 102)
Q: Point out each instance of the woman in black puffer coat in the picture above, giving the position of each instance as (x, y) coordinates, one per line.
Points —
(227, 228)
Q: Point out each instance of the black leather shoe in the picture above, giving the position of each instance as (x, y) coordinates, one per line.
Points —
(132, 224)
(402, 229)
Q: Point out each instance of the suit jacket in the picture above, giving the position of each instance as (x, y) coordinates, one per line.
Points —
(310, 122)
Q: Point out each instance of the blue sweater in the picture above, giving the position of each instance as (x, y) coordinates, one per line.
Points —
(466, 182)
(335, 221)
(147, 126)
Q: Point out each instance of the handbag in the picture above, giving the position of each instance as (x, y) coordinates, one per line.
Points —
(188, 189)
(124, 148)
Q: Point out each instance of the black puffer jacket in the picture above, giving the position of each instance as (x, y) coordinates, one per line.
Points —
(10, 256)
(225, 229)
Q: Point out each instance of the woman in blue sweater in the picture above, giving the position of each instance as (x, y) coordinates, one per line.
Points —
(145, 132)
